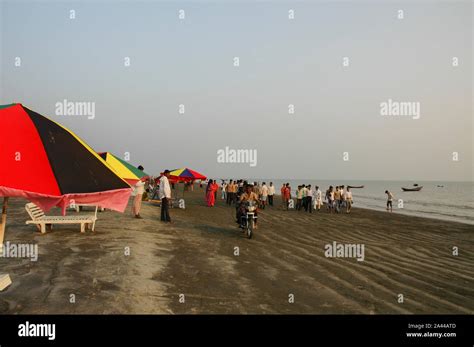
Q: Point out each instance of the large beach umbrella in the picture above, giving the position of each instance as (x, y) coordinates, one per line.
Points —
(185, 175)
(49, 165)
(125, 170)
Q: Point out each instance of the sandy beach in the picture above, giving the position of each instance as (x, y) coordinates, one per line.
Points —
(194, 256)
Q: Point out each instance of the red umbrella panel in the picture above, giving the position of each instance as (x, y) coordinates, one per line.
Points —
(50, 166)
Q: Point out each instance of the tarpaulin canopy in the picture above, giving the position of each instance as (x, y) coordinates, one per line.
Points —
(185, 175)
(125, 170)
(49, 165)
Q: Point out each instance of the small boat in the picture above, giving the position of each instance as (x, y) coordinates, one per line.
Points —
(356, 187)
(416, 189)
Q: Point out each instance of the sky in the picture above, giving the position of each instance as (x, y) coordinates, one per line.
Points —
(283, 62)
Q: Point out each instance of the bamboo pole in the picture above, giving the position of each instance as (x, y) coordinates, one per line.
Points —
(5, 280)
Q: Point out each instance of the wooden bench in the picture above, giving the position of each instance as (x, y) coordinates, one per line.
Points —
(41, 220)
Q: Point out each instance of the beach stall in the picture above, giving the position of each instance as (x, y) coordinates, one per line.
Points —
(49, 165)
(125, 170)
(184, 175)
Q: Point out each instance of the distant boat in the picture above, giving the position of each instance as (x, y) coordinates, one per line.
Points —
(439, 186)
(355, 187)
(416, 189)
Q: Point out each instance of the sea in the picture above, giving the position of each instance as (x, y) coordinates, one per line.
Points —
(451, 201)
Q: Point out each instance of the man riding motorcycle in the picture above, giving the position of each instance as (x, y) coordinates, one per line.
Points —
(247, 196)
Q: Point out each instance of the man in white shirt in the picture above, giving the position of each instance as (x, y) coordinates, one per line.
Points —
(165, 196)
(271, 192)
(318, 198)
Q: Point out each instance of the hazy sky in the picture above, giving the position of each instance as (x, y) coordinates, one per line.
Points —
(282, 62)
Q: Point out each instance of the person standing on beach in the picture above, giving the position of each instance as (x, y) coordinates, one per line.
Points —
(305, 197)
(263, 195)
(287, 196)
(211, 191)
(208, 191)
(330, 198)
(348, 200)
(317, 198)
(229, 192)
(299, 198)
(223, 190)
(343, 198)
(271, 192)
(389, 200)
(337, 199)
(235, 188)
(309, 199)
(282, 194)
(165, 196)
(138, 191)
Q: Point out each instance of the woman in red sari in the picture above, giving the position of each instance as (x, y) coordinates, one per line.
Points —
(211, 193)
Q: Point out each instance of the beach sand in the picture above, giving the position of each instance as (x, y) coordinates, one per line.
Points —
(194, 256)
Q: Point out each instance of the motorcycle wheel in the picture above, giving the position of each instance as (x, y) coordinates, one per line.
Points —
(250, 230)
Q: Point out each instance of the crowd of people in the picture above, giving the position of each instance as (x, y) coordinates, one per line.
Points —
(337, 199)
(306, 198)
(231, 192)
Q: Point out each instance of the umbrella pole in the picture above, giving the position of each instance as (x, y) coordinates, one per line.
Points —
(3, 221)
(5, 279)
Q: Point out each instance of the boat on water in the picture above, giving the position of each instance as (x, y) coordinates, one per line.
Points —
(414, 189)
(356, 187)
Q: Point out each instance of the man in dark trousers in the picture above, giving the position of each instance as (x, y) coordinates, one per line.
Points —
(165, 196)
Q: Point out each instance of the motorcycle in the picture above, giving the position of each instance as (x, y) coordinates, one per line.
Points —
(248, 218)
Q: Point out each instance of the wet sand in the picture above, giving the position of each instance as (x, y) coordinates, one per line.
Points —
(194, 257)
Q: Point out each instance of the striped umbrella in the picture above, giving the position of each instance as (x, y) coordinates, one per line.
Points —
(125, 170)
(50, 166)
(185, 175)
